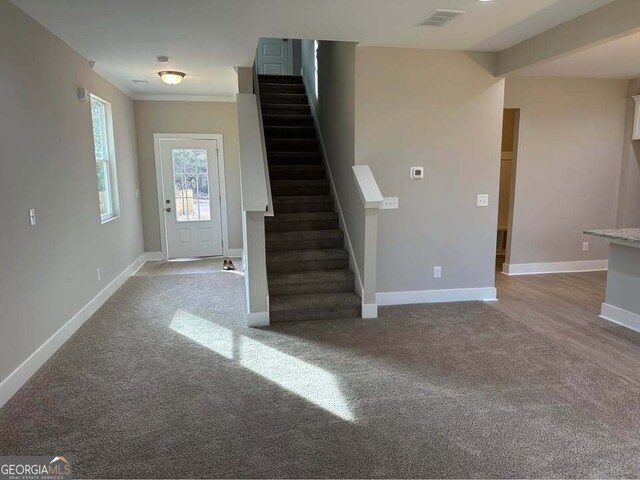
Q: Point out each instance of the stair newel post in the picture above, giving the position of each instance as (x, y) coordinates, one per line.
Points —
(372, 200)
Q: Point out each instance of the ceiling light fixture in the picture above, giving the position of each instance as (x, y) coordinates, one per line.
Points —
(171, 77)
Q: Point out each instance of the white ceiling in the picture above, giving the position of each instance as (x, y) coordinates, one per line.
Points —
(615, 59)
(206, 38)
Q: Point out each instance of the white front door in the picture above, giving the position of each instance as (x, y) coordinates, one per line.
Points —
(191, 188)
(275, 56)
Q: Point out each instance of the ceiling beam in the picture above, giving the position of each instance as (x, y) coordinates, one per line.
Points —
(614, 20)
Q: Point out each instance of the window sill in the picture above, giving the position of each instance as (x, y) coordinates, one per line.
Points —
(110, 219)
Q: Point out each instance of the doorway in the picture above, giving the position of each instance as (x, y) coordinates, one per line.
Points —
(190, 170)
(275, 56)
(510, 126)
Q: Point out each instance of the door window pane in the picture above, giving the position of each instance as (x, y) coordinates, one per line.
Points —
(191, 182)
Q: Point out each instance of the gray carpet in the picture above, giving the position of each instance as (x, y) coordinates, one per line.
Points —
(165, 382)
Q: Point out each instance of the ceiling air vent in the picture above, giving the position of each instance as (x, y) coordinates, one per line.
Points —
(442, 17)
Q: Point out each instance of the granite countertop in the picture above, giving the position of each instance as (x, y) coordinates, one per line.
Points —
(629, 235)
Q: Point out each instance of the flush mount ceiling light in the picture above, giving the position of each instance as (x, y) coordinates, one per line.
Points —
(171, 77)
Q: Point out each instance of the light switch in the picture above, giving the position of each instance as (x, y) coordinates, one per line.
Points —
(389, 203)
(32, 216)
(483, 200)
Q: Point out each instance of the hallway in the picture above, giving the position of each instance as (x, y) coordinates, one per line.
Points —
(169, 379)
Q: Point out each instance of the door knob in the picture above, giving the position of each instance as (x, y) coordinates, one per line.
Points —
(168, 209)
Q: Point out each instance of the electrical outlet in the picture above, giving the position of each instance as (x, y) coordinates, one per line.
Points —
(389, 203)
(483, 200)
(99, 274)
(437, 272)
(585, 246)
(32, 217)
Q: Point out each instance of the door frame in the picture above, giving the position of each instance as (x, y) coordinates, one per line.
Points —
(157, 139)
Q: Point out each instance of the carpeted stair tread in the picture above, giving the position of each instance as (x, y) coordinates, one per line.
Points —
(302, 183)
(289, 131)
(278, 109)
(312, 277)
(270, 120)
(294, 256)
(302, 221)
(326, 205)
(304, 240)
(281, 87)
(299, 187)
(305, 235)
(297, 172)
(303, 302)
(292, 144)
(294, 158)
(295, 79)
(300, 217)
(306, 199)
(284, 98)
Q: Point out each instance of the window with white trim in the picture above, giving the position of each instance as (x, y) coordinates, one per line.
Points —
(105, 159)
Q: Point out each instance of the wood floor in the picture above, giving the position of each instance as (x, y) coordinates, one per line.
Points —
(565, 307)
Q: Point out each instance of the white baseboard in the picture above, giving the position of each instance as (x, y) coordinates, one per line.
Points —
(369, 310)
(258, 319)
(233, 252)
(436, 296)
(554, 267)
(20, 375)
(620, 316)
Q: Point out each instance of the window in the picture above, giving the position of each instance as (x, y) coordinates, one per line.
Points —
(191, 181)
(105, 159)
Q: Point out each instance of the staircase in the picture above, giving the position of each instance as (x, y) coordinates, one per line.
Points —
(307, 266)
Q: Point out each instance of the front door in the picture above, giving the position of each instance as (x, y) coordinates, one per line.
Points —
(191, 187)
(275, 56)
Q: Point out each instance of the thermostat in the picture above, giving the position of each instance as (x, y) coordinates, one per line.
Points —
(417, 173)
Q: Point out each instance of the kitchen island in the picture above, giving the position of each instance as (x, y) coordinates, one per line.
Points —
(622, 303)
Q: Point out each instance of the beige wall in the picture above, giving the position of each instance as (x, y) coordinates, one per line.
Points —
(187, 117)
(48, 272)
(567, 167)
(441, 110)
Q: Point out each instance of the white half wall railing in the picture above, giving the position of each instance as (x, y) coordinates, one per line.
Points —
(372, 200)
(256, 205)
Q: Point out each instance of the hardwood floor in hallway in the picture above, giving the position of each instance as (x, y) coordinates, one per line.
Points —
(565, 307)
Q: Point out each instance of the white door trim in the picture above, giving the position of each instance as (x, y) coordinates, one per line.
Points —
(157, 138)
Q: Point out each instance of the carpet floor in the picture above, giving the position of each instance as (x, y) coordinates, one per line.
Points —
(164, 381)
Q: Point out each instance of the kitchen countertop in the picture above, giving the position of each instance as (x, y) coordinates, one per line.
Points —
(626, 235)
